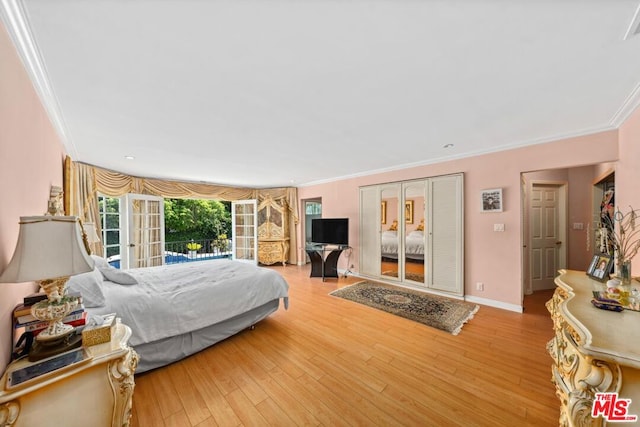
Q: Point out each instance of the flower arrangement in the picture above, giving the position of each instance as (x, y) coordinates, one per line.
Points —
(624, 237)
(193, 246)
(222, 242)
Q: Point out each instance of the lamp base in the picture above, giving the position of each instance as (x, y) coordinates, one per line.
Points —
(43, 349)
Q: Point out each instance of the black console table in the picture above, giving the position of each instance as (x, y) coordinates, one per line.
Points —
(324, 259)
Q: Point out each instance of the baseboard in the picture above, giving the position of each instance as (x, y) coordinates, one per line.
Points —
(494, 303)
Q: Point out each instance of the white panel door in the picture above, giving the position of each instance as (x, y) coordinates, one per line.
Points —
(244, 222)
(445, 271)
(544, 230)
(369, 233)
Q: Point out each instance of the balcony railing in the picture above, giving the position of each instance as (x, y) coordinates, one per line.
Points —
(189, 251)
(196, 250)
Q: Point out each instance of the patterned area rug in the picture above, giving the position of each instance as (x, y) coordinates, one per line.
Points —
(438, 312)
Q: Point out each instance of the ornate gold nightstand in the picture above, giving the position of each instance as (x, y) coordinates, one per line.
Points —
(97, 391)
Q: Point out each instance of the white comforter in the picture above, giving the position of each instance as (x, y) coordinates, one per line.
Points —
(414, 243)
(176, 299)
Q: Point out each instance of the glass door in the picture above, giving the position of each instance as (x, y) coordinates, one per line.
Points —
(390, 231)
(145, 245)
(245, 231)
(413, 232)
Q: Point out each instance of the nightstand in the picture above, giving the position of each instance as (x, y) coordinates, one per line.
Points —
(97, 391)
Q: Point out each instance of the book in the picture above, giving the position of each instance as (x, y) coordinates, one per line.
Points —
(38, 324)
(29, 318)
(34, 298)
(21, 310)
(75, 323)
(31, 299)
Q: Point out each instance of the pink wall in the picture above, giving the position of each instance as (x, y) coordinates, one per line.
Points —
(492, 258)
(31, 160)
(628, 171)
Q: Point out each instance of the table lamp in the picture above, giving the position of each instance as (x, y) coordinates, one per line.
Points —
(49, 250)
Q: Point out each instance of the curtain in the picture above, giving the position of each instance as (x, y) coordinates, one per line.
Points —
(83, 182)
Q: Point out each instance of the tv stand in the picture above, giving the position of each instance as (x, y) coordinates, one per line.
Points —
(324, 259)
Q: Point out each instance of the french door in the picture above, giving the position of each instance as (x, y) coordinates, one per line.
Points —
(244, 222)
(144, 246)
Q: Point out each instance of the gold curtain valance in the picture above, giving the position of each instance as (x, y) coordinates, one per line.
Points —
(83, 182)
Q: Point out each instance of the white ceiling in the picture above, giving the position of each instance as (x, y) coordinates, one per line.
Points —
(292, 92)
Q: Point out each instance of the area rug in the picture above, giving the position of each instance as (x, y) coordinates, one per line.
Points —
(416, 277)
(443, 313)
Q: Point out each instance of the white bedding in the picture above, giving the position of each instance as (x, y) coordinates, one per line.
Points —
(414, 244)
(180, 298)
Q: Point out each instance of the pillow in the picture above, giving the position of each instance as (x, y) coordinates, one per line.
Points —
(113, 274)
(118, 276)
(90, 287)
(100, 262)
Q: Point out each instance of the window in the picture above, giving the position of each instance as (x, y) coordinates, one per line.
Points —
(110, 208)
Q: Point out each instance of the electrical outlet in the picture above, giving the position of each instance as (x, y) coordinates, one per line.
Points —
(480, 286)
(498, 227)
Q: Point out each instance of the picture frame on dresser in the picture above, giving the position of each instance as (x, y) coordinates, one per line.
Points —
(600, 267)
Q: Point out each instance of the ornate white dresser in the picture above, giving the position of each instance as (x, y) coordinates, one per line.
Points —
(96, 392)
(593, 351)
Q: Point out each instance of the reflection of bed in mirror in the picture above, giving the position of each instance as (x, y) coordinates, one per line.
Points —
(414, 245)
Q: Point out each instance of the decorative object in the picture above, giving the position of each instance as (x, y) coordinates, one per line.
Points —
(193, 248)
(600, 267)
(56, 204)
(408, 211)
(383, 212)
(446, 314)
(624, 238)
(49, 250)
(492, 200)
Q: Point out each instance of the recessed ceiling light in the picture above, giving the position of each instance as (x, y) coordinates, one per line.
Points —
(447, 146)
(129, 157)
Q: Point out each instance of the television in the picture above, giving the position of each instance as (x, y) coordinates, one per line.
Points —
(330, 231)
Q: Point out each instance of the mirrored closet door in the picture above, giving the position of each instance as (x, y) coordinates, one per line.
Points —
(412, 232)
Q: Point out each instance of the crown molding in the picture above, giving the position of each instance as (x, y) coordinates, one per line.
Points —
(629, 105)
(15, 19)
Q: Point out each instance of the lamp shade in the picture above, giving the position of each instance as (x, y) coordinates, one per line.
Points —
(48, 247)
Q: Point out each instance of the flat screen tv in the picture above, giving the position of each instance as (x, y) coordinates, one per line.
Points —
(330, 231)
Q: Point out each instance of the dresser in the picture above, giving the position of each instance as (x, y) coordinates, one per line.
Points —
(593, 351)
(273, 232)
(95, 392)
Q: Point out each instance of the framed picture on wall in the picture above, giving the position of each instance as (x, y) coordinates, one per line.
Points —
(600, 267)
(383, 212)
(408, 211)
(492, 200)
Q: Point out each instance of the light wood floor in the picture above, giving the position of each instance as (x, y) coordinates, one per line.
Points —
(331, 362)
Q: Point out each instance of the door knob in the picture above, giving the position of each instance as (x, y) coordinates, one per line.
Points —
(558, 243)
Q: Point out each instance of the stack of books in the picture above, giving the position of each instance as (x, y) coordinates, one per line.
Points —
(24, 319)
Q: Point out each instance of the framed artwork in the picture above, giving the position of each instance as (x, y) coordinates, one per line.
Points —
(492, 200)
(600, 267)
(383, 212)
(408, 211)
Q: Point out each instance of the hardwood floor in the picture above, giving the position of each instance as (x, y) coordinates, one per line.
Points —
(332, 362)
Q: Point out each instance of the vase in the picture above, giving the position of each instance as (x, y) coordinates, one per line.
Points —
(624, 272)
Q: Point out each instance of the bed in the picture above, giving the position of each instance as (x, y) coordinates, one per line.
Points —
(414, 245)
(177, 310)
